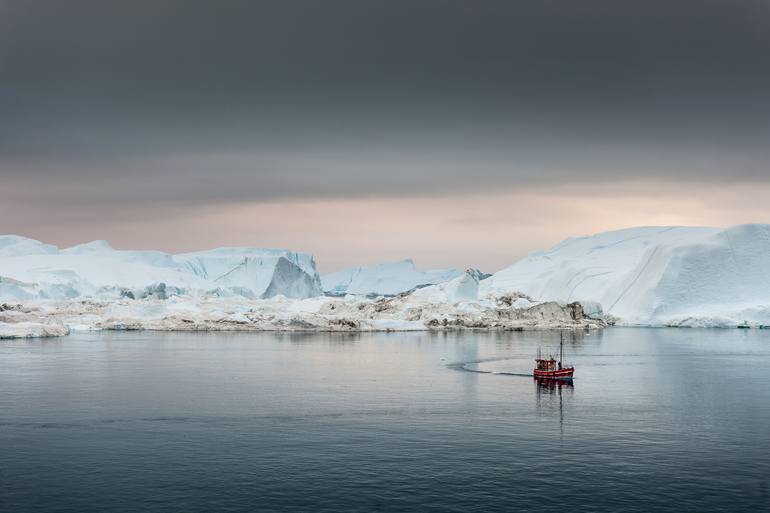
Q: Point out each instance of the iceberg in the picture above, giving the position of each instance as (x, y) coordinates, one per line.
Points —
(50, 292)
(462, 288)
(654, 276)
(388, 279)
(30, 269)
(262, 273)
(352, 313)
(31, 330)
(648, 276)
(15, 245)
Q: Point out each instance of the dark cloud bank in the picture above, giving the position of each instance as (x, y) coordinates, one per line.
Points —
(153, 101)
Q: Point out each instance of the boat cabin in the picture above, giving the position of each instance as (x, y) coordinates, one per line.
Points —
(547, 364)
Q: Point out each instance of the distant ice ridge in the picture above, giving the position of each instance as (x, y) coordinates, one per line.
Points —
(660, 276)
(384, 279)
(32, 270)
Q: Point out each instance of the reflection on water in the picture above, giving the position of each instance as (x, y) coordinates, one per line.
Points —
(550, 394)
(553, 386)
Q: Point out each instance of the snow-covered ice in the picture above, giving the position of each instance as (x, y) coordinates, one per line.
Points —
(660, 276)
(32, 270)
(351, 313)
(31, 330)
(384, 279)
(48, 292)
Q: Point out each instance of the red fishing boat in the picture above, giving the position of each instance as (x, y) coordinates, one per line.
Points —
(551, 368)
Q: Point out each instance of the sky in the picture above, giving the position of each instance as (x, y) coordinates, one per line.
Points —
(454, 133)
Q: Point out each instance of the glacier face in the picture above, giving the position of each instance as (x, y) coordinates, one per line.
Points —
(679, 276)
(32, 270)
(387, 279)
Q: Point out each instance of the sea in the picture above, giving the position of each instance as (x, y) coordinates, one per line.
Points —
(654, 420)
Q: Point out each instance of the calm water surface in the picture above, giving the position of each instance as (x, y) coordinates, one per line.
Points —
(657, 419)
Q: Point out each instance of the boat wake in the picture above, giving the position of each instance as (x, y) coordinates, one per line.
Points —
(463, 366)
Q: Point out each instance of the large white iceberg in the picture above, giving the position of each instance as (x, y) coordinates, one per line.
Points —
(681, 276)
(387, 279)
(32, 270)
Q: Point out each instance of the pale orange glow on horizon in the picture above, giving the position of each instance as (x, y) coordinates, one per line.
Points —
(485, 230)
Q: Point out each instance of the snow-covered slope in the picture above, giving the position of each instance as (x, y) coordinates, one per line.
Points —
(33, 270)
(384, 279)
(463, 288)
(655, 275)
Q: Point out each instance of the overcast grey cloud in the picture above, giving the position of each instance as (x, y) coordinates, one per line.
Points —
(158, 102)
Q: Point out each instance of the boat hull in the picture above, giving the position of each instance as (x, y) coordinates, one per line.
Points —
(555, 374)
